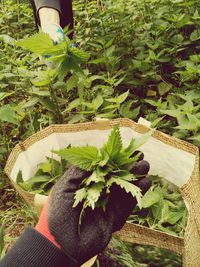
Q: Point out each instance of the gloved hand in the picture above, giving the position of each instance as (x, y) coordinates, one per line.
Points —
(55, 32)
(59, 221)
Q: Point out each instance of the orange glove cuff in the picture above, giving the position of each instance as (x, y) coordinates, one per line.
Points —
(42, 225)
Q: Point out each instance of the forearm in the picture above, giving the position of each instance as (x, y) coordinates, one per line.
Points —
(63, 8)
(48, 16)
(33, 249)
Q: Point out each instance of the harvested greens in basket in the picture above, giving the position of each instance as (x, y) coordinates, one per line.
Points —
(161, 207)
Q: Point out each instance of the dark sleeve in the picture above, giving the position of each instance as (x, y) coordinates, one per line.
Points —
(33, 249)
(64, 7)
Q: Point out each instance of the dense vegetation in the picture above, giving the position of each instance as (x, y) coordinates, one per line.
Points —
(144, 61)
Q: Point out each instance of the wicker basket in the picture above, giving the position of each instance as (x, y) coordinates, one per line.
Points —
(172, 159)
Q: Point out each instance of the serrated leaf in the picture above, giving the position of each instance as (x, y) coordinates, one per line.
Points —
(114, 143)
(80, 195)
(94, 178)
(124, 175)
(82, 157)
(128, 187)
(93, 194)
(81, 55)
(39, 43)
(138, 142)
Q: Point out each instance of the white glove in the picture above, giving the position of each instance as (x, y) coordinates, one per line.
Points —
(55, 32)
(50, 23)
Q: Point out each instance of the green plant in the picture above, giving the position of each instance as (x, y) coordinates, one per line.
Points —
(47, 175)
(109, 165)
(162, 208)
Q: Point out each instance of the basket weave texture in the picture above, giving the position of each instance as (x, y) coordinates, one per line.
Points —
(189, 245)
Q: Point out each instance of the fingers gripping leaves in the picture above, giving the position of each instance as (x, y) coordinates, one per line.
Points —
(112, 164)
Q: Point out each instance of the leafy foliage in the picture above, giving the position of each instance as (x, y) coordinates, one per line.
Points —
(109, 165)
(47, 175)
(162, 208)
(149, 49)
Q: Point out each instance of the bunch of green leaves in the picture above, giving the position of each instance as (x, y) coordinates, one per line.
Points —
(108, 165)
(162, 208)
(46, 176)
(64, 55)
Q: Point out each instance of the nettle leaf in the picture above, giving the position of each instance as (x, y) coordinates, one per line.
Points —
(124, 175)
(82, 157)
(39, 43)
(80, 195)
(81, 55)
(95, 177)
(93, 194)
(138, 142)
(128, 187)
(114, 143)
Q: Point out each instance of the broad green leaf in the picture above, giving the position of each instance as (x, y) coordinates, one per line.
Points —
(37, 179)
(81, 55)
(150, 198)
(195, 35)
(8, 114)
(127, 111)
(32, 102)
(119, 99)
(174, 216)
(97, 102)
(82, 157)
(164, 213)
(72, 82)
(164, 88)
(45, 167)
(39, 43)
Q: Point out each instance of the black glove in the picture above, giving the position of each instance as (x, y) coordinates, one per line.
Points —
(97, 226)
